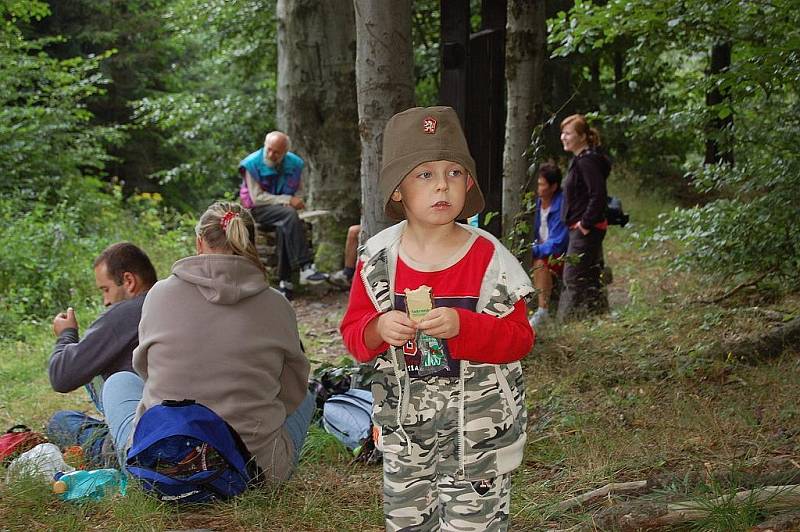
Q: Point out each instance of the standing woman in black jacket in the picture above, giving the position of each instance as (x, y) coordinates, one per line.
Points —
(584, 213)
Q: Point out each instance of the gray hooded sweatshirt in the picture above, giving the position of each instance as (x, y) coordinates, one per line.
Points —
(215, 332)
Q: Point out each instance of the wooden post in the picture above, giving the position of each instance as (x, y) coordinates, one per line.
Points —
(454, 55)
(485, 121)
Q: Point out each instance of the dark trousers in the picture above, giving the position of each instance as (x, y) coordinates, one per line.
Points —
(293, 249)
(583, 287)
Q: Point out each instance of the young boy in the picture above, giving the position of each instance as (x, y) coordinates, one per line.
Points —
(449, 405)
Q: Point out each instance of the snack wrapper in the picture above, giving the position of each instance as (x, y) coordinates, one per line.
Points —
(418, 303)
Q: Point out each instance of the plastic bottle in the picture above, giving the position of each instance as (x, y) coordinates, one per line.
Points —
(42, 461)
(93, 485)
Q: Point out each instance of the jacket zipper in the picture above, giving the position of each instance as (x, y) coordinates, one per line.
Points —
(460, 444)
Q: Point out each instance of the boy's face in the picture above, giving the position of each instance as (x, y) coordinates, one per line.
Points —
(544, 189)
(433, 193)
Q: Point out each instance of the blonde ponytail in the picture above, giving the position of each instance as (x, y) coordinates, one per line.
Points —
(228, 226)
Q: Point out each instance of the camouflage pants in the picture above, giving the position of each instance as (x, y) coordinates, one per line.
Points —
(420, 492)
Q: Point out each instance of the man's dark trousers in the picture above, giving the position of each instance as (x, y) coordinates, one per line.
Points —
(293, 249)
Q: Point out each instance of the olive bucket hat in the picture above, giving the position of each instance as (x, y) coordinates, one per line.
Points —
(417, 136)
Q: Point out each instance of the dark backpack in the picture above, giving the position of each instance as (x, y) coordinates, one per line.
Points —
(328, 380)
(184, 452)
(615, 215)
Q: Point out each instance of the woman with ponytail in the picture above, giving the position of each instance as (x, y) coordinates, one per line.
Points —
(215, 332)
(584, 212)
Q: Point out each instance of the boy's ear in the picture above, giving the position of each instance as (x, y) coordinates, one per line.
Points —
(470, 181)
(396, 196)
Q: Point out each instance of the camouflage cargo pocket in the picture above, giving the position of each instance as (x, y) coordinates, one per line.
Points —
(490, 409)
(385, 394)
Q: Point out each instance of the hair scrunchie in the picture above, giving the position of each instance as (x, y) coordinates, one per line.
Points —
(226, 219)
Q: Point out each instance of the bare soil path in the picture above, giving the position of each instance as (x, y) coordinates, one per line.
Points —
(318, 316)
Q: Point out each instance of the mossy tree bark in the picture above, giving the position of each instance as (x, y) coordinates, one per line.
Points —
(526, 51)
(385, 86)
(316, 107)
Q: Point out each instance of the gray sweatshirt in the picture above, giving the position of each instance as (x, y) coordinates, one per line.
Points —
(106, 348)
(214, 331)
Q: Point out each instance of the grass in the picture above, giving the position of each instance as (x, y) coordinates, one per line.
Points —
(627, 396)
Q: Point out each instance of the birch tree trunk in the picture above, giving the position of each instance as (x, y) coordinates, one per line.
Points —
(526, 51)
(316, 107)
(385, 86)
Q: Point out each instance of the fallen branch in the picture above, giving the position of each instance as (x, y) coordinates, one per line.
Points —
(770, 497)
(649, 515)
(591, 496)
(755, 348)
(787, 521)
(734, 290)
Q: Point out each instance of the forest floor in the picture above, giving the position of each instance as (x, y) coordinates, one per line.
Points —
(641, 394)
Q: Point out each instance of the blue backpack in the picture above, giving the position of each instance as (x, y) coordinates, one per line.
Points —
(348, 416)
(183, 452)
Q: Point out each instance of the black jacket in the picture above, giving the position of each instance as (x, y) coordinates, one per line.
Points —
(585, 196)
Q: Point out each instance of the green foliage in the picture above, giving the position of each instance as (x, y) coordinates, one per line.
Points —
(746, 224)
(323, 448)
(139, 53)
(221, 100)
(425, 20)
(46, 137)
(49, 249)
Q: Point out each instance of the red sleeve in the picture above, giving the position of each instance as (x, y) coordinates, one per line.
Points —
(486, 339)
(360, 311)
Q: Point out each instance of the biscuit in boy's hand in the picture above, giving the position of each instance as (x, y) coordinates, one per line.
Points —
(419, 302)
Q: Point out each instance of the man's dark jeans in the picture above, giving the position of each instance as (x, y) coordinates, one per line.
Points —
(293, 250)
(69, 427)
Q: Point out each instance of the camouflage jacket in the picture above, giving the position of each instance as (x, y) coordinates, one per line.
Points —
(492, 413)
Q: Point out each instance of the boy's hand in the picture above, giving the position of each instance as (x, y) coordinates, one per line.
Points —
(395, 328)
(441, 322)
(64, 320)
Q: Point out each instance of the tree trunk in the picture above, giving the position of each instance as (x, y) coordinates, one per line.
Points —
(385, 86)
(718, 127)
(526, 51)
(316, 107)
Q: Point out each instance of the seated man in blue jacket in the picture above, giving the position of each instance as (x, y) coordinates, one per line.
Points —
(123, 274)
(271, 188)
(550, 237)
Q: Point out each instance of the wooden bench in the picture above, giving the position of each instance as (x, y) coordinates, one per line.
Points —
(267, 240)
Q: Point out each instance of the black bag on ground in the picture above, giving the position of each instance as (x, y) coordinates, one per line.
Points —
(615, 215)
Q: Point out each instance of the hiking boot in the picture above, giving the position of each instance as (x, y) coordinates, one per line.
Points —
(341, 279)
(539, 317)
(310, 275)
(287, 289)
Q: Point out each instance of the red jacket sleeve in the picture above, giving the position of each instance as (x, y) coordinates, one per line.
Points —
(487, 339)
(360, 311)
